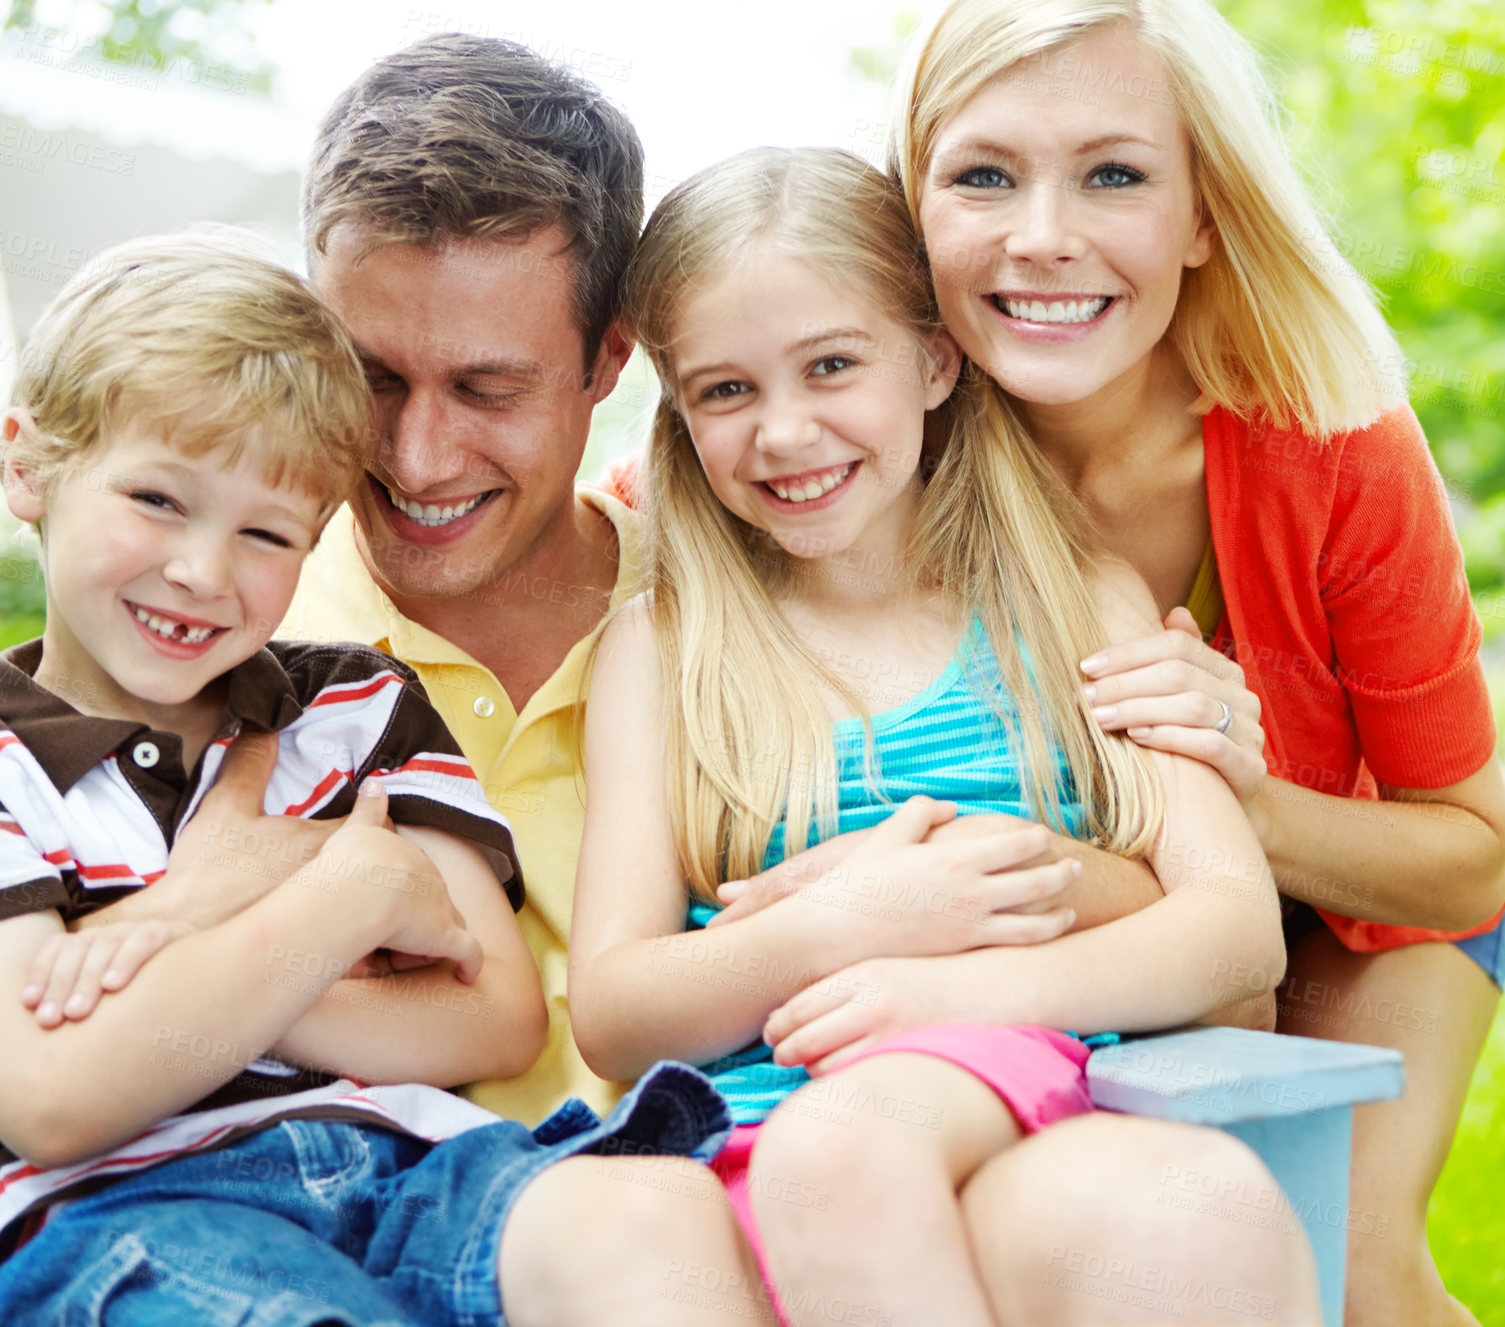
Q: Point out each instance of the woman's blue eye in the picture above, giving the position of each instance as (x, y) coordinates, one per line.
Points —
(1115, 176)
(983, 177)
(832, 364)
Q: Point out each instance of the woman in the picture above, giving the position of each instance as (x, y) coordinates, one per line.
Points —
(1120, 242)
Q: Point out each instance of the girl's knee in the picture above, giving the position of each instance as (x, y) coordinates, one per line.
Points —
(620, 1222)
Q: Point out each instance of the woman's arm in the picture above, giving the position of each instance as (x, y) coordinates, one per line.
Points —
(1429, 857)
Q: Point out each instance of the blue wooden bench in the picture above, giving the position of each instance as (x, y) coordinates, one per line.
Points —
(1289, 1098)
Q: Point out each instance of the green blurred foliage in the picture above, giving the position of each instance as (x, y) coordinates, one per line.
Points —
(203, 41)
(1397, 111)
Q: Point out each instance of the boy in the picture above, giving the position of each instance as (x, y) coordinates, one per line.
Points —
(204, 1142)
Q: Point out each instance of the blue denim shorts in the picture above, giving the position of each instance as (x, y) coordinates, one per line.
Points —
(1488, 951)
(312, 1221)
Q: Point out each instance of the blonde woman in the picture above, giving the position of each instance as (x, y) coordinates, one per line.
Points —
(738, 712)
(1120, 243)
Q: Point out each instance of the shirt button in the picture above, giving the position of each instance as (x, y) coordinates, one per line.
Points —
(145, 754)
(484, 707)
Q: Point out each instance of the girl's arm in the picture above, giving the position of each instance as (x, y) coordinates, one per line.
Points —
(641, 989)
(1213, 940)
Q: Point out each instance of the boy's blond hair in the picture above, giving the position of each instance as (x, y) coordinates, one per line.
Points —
(199, 336)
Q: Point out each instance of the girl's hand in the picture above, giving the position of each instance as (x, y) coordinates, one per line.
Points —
(73, 971)
(1171, 691)
(832, 1020)
(898, 895)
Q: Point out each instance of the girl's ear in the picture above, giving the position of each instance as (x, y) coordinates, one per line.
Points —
(23, 495)
(945, 358)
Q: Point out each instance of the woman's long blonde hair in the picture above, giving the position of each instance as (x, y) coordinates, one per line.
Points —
(1277, 323)
(749, 734)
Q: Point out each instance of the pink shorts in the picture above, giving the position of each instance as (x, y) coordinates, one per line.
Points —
(1039, 1074)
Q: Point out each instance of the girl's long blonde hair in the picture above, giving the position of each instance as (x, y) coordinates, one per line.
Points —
(749, 734)
(1277, 323)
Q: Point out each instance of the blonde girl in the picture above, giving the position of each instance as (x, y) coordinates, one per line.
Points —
(858, 601)
(1120, 242)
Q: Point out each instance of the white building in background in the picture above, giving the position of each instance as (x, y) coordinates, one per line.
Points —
(93, 153)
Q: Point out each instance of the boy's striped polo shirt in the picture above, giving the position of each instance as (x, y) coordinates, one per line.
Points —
(90, 806)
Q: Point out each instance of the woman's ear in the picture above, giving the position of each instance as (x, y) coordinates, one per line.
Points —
(23, 495)
(945, 358)
(1203, 239)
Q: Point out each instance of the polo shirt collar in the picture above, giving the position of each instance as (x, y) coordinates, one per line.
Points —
(68, 744)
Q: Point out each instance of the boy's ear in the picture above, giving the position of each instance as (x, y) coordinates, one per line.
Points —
(945, 365)
(23, 495)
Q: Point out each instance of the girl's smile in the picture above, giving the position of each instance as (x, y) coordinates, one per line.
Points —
(806, 406)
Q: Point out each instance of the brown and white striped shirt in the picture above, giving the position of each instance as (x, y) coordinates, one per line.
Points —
(89, 808)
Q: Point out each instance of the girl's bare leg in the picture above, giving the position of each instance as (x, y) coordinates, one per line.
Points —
(1081, 1225)
(854, 1185)
(630, 1241)
(1435, 1005)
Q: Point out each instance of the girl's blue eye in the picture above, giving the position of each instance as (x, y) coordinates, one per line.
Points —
(983, 177)
(832, 364)
(1113, 175)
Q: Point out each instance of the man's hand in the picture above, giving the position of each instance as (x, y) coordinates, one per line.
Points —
(72, 972)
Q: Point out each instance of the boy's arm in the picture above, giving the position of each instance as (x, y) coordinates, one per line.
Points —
(426, 1026)
(218, 999)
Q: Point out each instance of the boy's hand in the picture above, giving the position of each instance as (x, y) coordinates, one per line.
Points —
(397, 874)
(72, 971)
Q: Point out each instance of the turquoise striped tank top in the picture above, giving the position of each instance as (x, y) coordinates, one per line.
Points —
(951, 742)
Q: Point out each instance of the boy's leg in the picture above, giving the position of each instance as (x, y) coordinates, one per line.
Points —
(1435, 1005)
(854, 1185)
(179, 1262)
(1077, 1225)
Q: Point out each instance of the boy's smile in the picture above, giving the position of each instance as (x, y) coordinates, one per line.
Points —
(164, 571)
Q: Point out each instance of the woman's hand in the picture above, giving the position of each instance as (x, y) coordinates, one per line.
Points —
(1173, 692)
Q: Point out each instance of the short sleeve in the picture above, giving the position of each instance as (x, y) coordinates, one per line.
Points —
(430, 783)
(365, 715)
(1404, 632)
(31, 873)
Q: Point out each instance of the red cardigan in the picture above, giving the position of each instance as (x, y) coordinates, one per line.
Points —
(1347, 606)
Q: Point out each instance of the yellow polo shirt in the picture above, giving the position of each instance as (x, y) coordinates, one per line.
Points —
(526, 762)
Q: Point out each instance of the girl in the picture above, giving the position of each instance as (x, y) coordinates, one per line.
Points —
(843, 607)
(1120, 241)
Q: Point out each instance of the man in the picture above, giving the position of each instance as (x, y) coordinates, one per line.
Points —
(468, 213)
